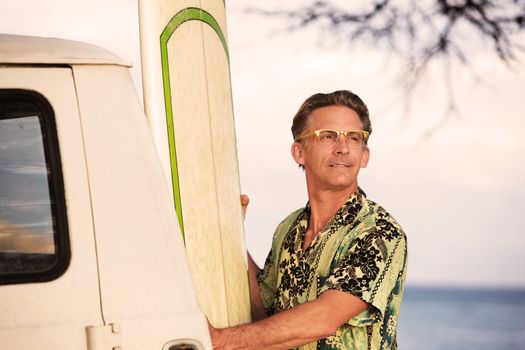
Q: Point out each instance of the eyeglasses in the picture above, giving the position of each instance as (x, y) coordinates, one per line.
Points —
(353, 138)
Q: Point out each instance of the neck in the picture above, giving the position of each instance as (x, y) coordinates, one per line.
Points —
(323, 206)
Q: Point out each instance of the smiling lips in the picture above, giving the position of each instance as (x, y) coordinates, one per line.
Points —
(340, 165)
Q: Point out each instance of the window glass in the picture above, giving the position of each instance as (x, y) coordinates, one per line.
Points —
(32, 246)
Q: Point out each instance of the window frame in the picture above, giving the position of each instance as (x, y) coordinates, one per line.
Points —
(46, 116)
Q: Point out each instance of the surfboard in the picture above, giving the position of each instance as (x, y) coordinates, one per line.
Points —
(188, 103)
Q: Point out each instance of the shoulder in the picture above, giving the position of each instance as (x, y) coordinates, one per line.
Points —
(382, 221)
(285, 225)
(283, 228)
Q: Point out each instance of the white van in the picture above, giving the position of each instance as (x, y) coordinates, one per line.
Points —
(88, 254)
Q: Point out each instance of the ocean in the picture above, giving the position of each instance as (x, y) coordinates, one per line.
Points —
(462, 319)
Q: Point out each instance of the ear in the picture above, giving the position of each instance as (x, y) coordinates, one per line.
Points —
(366, 157)
(297, 153)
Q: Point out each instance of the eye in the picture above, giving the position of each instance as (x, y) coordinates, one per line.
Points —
(327, 136)
(354, 137)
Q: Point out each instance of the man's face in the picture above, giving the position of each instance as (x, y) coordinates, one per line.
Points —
(331, 167)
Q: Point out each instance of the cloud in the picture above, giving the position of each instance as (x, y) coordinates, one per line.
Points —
(15, 239)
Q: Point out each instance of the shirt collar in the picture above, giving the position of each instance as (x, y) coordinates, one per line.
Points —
(346, 213)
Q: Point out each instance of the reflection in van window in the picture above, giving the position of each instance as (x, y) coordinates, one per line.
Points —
(25, 209)
(33, 238)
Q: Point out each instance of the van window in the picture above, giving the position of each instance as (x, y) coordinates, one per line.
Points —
(33, 226)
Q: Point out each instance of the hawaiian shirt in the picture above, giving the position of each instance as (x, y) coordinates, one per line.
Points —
(362, 251)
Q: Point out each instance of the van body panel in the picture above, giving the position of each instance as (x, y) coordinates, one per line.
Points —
(144, 276)
(17, 49)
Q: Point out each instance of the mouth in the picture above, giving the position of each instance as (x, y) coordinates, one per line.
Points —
(340, 165)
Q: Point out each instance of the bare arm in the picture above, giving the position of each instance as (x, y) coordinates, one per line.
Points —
(297, 326)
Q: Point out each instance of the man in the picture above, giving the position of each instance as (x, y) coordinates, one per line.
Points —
(335, 274)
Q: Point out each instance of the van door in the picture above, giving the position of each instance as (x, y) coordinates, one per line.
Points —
(49, 287)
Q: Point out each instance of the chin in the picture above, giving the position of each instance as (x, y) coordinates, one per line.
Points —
(342, 185)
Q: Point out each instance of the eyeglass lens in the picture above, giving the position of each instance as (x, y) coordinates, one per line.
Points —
(353, 138)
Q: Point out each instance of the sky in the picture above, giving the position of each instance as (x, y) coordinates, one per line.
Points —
(458, 195)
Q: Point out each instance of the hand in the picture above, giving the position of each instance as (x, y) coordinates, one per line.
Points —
(245, 200)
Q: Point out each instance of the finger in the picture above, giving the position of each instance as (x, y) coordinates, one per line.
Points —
(245, 200)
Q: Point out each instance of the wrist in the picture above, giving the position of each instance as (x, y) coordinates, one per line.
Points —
(217, 338)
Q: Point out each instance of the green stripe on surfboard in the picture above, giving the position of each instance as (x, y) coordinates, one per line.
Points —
(188, 14)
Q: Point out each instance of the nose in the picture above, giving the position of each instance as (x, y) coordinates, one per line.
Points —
(341, 146)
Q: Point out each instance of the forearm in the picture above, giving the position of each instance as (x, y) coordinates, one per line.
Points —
(297, 326)
(300, 325)
(258, 311)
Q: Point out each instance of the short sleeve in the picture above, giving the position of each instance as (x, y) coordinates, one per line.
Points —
(370, 269)
(267, 278)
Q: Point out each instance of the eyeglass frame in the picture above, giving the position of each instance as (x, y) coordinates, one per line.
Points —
(365, 134)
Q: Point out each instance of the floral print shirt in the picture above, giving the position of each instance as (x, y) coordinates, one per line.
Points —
(361, 251)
